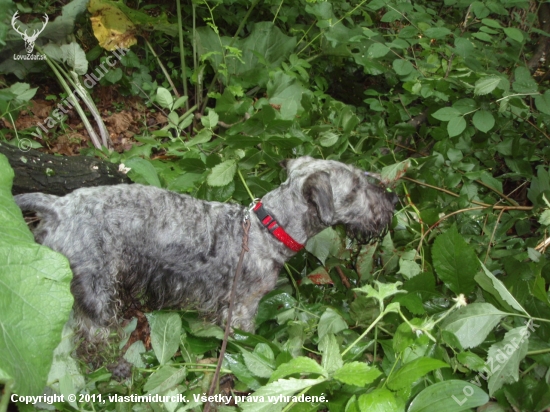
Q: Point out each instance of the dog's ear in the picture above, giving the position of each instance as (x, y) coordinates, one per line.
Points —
(317, 191)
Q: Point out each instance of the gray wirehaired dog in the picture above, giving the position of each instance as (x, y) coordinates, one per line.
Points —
(128, 242)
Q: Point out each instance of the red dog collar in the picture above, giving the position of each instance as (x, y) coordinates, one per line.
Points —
(276, 230)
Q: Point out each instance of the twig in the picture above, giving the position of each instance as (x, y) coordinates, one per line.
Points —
(493, 236)
(343, 277)
(485, 205)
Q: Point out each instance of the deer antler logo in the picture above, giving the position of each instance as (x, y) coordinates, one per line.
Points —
(29, 39)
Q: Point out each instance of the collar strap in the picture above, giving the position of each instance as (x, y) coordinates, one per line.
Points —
(276, 230)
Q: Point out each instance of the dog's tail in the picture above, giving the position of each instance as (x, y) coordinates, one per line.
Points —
(36, 202)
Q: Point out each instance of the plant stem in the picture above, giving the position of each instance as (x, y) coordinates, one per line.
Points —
(372, 325)
(182, 54)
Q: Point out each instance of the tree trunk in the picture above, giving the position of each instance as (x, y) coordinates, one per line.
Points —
(58, 175)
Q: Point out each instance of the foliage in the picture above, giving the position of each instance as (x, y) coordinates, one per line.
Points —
(445, 96)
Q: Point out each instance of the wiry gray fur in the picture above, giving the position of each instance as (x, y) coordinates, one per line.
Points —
(127, 242)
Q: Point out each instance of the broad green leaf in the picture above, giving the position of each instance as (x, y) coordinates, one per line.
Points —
(465, 105)
(165, 334)
(471, 360)
(486, 85)
(503, 358)
(179, 102)
(412, 371)
(379, 400)
(437, 32)
(328, 138)
(331, 322)
(324, 244)
(257, 364)
(201, 137)
(133, 354)
(75, 57)
(514, 34)
(446, 113)
(164, 98)
(456, 126)
(211, 120)
(377, 50)
(265, 46)
(357, 373)
(395, 171)
(332, 360)
(402, 67)
(471, 324)
(142, 171)
(491, 23)
(542, 101)
(285, 91)
(384, 291)
(164, 379)
(455, 261)
(300, 365)
(524, 82)
(483, 120)
(449, 396)
(35, 298)
(223, 173)
(271, 397)
(544, 218)
(495, 287)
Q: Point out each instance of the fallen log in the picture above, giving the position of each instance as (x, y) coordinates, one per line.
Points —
(58, 175)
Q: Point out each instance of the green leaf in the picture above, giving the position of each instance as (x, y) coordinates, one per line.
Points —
(328, 138)
(331, 322)
(491, 23)
(75, 57)
(495, 287)
(258, 364)
(164, 98)
(211, 120)
(412, 371)
(300, 365)
(332, 360)
(514, 34)
(456, 126)
(384, 291)
(35, 299)
(486, 85)
(542, 101)
(377, 50)
(357, 373)
(379, 400)
(165, 334)
(223, 173)
(164, 379)
(402, 67)
(324, 244)
(394, 172)
(524, 82)
(203, 136)
(471, 324)
(504, 358)
(446, 113)
(285, 91)
(142, 171)
(455, 261)
(449, 396)
(271, 397)
(437, 32)
(483, 120)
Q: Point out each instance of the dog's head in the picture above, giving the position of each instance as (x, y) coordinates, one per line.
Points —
(336, 193)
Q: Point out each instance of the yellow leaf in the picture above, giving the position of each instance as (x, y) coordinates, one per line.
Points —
(111, 27)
